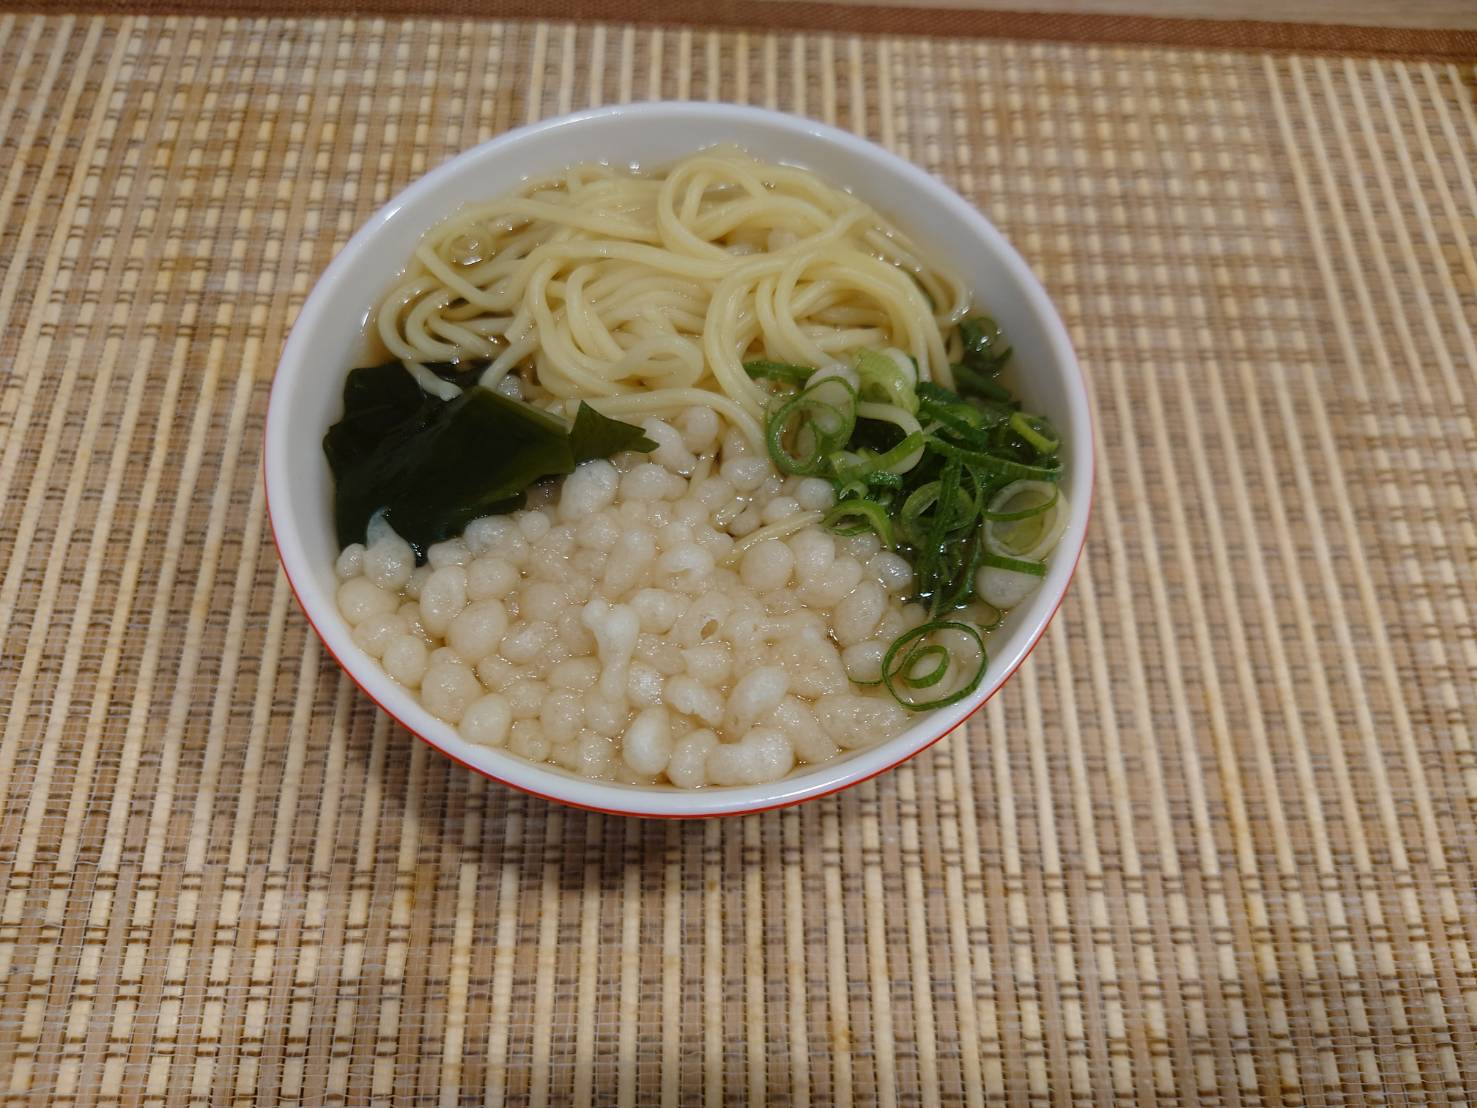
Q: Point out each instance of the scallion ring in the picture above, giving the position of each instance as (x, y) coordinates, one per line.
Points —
(989, 625)
(889, 375)
(916, 516)
(868, 516)
(816, 422)
(991, 515)
(1028, 537)
(851, 466)
(909, 669)
(907, 453)
(899, 663)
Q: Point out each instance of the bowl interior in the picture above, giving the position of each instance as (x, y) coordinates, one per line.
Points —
(306, 395)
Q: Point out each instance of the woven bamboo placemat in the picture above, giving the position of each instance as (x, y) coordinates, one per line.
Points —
(1212, 843)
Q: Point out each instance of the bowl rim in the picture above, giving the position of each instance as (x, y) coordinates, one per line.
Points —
(553, 784)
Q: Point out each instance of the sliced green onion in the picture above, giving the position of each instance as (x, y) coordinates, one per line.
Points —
(936, 558)
(992, 515)
(1025, 513)
(972, 383)
(1030, 538)
(906, 454)
(919, 501)
(850, 465)
(864, 464)
(869, 485)
(779, 371)
(969, 491)
(998, 619)
(823, 423)
(998, 467)
(1015, 565)
(882, 479)
(909, 668)
(966, 420)
(869, 516)
(931, 395)
(964, 417)
(884, 378)
(860, 472)
(962, 587)
(913, 648)
(1036, 431)
(914, 514)
(984, 348)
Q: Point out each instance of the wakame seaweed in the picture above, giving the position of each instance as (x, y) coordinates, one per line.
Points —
(596, 436)
(432, 466)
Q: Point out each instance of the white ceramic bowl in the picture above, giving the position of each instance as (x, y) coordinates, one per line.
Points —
(306, 399)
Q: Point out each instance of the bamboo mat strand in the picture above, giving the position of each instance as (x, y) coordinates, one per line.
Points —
(1213, 843)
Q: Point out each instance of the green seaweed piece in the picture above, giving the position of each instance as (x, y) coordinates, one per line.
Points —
(433, 466)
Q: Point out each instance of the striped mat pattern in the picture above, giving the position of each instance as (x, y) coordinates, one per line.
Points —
(1213, 843)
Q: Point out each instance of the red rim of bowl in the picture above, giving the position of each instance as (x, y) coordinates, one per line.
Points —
(787, 803)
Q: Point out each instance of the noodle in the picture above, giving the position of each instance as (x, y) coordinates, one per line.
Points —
(648, 293)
